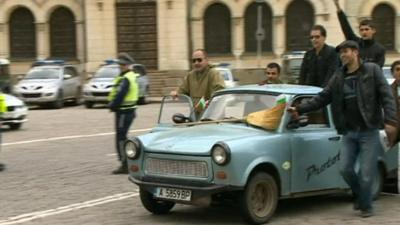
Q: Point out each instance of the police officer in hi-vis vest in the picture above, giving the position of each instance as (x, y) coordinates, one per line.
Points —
(3, 109)
(123, 98)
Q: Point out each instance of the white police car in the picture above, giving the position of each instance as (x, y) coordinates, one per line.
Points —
(97, 89)
(50, 82)
(16, 113)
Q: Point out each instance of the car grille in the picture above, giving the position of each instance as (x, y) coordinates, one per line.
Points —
(170, 167)
(35, 95)
(100, 94)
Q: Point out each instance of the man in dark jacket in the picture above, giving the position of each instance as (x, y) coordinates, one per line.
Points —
(370, 49)
(320, 62)
(358, 94)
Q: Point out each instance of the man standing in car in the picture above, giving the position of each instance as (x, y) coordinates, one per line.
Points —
(123, 98)
(201, 83)
(370, 49)
(358, 94)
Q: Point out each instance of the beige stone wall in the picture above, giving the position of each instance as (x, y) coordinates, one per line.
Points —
(173, 40)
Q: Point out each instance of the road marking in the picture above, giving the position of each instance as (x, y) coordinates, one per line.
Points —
(112, 154)
(63, 209)
(70, 137)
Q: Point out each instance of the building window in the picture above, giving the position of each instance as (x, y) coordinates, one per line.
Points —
(251, 27)
(383, 16)
(22, 34)
(217, 29)
(62, 34)
(299, 21)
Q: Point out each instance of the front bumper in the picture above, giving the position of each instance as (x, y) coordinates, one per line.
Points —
(33, 98)
(198, 191)
(91, 96)
(18, 115)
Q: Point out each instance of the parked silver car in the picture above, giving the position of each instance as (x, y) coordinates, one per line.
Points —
(97, 89)
(50, 82)
(16, 113)
(229, 79)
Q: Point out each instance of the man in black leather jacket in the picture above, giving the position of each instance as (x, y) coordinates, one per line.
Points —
(320, 62)
(370, 49)
(358, 94)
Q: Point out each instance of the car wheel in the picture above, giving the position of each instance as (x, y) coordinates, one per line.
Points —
(260, 198)
(15, 126)
(89, 105)
(59, 102)
(377, 184)
(153, 205)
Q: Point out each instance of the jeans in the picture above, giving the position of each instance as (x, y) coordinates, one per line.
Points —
(123, 120)
(364, 146)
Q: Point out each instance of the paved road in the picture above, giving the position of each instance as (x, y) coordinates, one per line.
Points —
(58, 172)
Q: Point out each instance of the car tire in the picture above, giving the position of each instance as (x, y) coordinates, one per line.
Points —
(89, 105)
(378, 183)
(59, 102)
(153, 205)
(15, 126)
(260, 198)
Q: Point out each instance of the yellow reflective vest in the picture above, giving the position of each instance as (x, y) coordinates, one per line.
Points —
(3, 105)
(132, 96)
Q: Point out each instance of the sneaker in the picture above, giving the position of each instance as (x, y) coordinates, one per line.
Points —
(366, 213)
(121, 170)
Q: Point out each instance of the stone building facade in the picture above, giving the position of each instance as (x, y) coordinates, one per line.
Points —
(162, 33)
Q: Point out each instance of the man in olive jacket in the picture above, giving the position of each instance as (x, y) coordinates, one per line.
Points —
(201, 82)
(358, 93)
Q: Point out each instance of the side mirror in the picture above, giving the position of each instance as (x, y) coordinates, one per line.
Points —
(302, 121)
(67, 76)
(180, 118)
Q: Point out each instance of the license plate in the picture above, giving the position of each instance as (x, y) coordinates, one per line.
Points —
(175, 194)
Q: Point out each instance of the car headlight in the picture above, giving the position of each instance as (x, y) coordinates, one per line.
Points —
(132, 149)
(221, 154)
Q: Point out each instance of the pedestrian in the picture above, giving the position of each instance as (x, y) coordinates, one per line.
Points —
(370, 49)
(123, 98)
(3, 109)
(201, 82)
(358, 94)
(395, 69)
(272, 72)
(320, 62)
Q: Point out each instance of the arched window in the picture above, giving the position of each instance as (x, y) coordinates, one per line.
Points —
(62, 34)
(22, 34)
(383, 16)
(299, 21)
(251, 27)
(217, 29)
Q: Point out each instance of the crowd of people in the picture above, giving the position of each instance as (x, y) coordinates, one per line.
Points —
(352, 81)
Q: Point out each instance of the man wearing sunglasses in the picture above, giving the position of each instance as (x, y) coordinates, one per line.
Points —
(320, 62)
(370, 49)
(201, 82)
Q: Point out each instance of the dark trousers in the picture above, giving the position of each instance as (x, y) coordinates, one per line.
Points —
(123, 120)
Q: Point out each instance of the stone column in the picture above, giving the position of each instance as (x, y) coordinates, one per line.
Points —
(80, 48)
(279, 38)
(397, 44)
(42, 40)
(4, 45)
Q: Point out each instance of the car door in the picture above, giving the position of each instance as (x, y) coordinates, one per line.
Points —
(315, 152)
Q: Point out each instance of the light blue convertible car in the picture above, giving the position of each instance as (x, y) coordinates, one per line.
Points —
(222, 156)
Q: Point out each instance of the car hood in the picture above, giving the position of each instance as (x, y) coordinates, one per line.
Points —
(13, 101)
(196, 140)
(38, 82)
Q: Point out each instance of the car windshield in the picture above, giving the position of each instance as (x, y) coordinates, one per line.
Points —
(107, 72)
(43, 73)
(237, 106)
